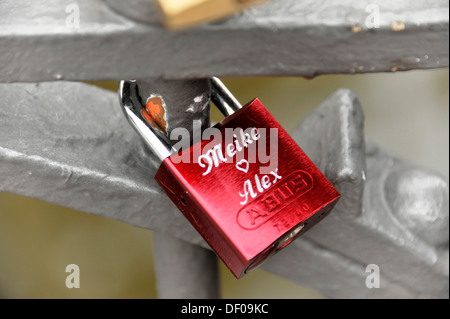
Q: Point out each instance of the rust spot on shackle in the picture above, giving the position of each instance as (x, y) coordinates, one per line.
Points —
(155, 113)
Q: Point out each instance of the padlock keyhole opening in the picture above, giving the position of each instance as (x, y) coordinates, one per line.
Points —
(290, 237)
(277, 246)
(183, 201)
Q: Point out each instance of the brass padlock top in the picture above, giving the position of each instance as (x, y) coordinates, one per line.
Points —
(177, 15)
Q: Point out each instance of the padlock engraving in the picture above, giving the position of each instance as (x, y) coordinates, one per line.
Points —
(263, 208)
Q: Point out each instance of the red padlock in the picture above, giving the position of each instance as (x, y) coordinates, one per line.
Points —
(247, 188)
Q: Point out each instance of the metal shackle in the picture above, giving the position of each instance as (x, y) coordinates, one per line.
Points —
(132, 104)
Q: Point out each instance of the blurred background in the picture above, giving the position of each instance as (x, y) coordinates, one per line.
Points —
(407, 113)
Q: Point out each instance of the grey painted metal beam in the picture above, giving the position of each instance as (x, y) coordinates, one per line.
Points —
(69, 144)
(184, 270)
(42, 40)
(383, 219)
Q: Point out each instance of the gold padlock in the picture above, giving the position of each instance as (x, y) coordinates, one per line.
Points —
(181, 14)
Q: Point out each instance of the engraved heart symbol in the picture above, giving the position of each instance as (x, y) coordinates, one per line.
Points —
(243, 165)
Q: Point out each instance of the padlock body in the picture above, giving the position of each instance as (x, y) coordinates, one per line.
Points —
(178, 14)
(249, 199)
